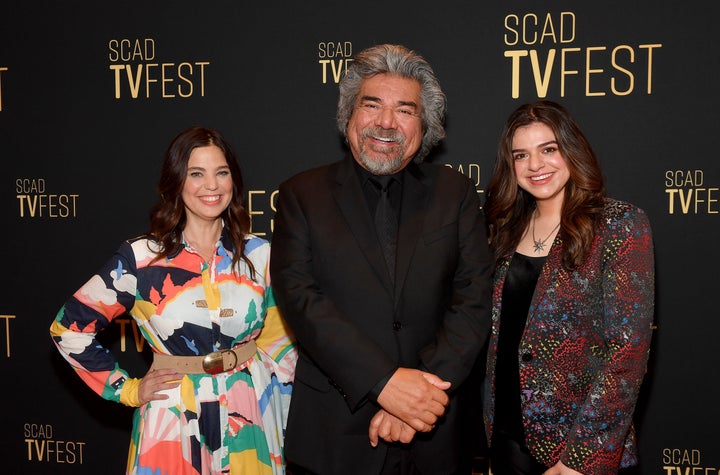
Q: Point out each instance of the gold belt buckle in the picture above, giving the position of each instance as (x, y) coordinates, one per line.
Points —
(214, 362)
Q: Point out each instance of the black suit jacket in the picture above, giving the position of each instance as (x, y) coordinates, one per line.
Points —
(331, 284)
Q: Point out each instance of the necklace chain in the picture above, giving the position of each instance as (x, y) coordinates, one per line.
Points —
(539, 246)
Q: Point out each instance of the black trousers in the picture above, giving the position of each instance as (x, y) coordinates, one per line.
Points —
(511, 457)
(397, 462)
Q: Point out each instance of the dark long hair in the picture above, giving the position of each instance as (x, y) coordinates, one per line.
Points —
(508, 207)
(167, 217)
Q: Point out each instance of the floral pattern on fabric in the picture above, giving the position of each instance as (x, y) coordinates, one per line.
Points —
(230, 422)
(585, 348)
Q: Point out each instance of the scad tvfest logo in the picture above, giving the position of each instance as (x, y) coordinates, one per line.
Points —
(542, 51)
(42, 446)
(138, 73)
(5, 323)
(688, 193)
(334, 58)
(2, 70)
(685, 462)
(34, 200)
(472, 171)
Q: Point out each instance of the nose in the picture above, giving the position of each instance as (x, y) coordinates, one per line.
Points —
(385, 118)
(211, 182)
(535, 161)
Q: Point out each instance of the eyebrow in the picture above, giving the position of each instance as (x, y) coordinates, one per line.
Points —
(400, 103)
(544, 144)
(203, 169)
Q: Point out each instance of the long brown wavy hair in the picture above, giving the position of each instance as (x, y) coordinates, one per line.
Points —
(168, 218)
(509, 208)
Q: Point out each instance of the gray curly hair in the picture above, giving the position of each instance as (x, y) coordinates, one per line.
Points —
(401, 61)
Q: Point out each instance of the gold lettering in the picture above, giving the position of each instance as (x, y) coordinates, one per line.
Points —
(515, 79)
(542, 82)
(534, 19)
(7, 319)
(685, 204)
(134, 84)
(324, 63)
(189, 76)
(48, 206)
(650, 48)
(631, 77)
(1, 70)
(252, 211)
(336, 73)
(711, 200)
(564, 71)
(671, 205)
(137, 336)
(148, 78)
(187, 81)
(621, 60)
(139, 339)
(122, 322)
(589, 71)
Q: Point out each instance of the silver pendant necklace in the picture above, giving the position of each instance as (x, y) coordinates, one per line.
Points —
(539, 246)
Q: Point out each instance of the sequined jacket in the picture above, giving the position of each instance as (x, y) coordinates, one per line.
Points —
(584, 351)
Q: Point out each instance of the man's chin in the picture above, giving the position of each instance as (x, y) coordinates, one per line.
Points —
(381, 165)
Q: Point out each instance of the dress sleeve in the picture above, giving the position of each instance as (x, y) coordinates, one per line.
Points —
(595, 442)
(276, 338)
(108, 294)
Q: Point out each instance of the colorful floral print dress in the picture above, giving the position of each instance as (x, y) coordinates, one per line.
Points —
(230, 422)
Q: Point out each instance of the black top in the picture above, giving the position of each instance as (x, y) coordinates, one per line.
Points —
(517, 294)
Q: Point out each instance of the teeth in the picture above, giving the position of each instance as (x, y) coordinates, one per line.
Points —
(541, 177)
(384, 139)
(210, 199)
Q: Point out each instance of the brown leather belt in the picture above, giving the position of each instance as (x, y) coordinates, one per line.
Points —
(212, 363)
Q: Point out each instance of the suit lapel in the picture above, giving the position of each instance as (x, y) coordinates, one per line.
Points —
(352, 203)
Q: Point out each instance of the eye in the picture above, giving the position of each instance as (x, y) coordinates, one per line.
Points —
(549, 150)
(519, 156)
(224, 173)
(406, 111)
(370, 107)
(195, 174)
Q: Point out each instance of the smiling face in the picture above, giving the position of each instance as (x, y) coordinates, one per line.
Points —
(385, 129)
(540, 168)
(208, 184)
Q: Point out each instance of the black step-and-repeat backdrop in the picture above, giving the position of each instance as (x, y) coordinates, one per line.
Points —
(92, 92)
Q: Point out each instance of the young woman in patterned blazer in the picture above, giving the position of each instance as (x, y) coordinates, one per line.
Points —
(573, 304)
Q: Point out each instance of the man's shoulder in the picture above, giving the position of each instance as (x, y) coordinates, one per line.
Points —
(315, 175)
(443, 175)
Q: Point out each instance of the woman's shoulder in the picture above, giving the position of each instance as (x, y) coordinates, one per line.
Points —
(622, 214)
(618, 208)
(142, 247)
(256, 246)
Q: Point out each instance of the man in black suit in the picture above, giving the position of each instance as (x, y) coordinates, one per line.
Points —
(381, 267)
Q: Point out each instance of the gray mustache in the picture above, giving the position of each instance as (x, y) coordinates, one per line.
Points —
(384, 134)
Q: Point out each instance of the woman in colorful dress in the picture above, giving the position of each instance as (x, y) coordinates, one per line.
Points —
(197, 284)
(573, 304)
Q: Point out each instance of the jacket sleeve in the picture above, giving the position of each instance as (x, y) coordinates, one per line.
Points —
(595, 442)
(466, 320)
(108, 294)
